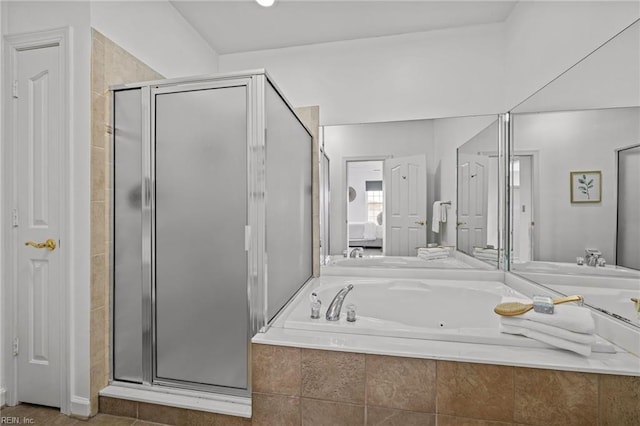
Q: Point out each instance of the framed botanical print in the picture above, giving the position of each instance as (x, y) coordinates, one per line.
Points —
(586, 186)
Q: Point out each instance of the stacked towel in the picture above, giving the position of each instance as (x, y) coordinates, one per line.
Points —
(433, 253)
(569, 327)
(484, 253)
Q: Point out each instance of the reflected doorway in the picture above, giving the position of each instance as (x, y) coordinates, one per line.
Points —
(523, 221)
(365, 206)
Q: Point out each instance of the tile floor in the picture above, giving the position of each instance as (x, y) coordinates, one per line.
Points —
(26, 414)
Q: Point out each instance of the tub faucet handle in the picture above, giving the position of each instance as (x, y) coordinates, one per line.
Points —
(315, 305)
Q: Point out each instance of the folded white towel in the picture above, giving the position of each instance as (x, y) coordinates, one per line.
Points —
(431, 250)
(603, 346)
(569, 317)
(580, 348)
(483, 256)
(432, 256)
(548, 329)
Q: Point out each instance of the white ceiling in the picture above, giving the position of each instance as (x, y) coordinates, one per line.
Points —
(243, 25)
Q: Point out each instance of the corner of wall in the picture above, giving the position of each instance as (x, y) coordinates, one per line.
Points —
(80, 407)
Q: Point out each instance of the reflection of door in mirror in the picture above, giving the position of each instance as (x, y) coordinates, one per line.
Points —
(472, 201)
(364, 230)
(406, 205)
(522, 201)
(628, 233)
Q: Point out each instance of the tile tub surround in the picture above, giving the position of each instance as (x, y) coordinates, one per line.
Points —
(316, 387)
(110, 64)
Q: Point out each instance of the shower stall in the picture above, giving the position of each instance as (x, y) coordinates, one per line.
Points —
(211, 226)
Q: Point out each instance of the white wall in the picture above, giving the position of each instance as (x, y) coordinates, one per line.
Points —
(545, 38)
(157, 34)
(422, 75)
(574, 141)
(36, 16)
(368, 141)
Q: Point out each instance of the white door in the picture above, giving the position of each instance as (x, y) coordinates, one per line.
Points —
(472, 202)
(405, 195)
(37, 102)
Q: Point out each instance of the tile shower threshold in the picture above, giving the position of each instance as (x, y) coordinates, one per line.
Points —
(181, 398)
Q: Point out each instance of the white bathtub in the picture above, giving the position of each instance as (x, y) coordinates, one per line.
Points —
(612, 294)
(447, 310)
(457, 261)
(574, 269)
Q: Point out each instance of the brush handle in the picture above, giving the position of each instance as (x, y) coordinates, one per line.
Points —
(568, 299)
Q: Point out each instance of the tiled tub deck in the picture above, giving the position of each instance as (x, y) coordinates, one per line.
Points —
(298, 386)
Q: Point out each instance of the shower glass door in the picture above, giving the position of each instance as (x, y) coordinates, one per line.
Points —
(199, 215)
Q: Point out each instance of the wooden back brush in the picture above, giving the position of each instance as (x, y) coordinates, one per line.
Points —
(510, 309)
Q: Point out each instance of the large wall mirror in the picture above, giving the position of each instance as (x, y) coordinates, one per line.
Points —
(575, 180)
(393, 196)
(478, 183)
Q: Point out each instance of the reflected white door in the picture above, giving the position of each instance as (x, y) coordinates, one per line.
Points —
(38, 130)
(405, 195)
(472, 201)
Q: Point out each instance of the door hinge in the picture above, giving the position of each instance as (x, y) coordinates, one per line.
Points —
(14, 218)
(14, 89)
(15, 346)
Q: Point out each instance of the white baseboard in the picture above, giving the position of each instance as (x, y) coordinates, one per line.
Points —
(3, 392)
(80, 407)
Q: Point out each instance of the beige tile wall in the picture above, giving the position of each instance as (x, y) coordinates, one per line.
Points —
(110, 64)
(313, 387)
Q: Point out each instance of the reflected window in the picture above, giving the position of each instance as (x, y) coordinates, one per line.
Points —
(375, 202)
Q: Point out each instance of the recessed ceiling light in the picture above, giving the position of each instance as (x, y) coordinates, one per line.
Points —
(266, 3)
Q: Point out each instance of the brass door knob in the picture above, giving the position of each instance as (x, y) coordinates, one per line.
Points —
(420, 222)
(49, 244)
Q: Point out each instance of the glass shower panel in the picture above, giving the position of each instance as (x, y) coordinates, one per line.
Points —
(288, 203)
(201, 313)
(127, 198)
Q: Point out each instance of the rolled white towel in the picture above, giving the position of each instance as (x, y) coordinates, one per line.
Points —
(569, 317)
(580, 348)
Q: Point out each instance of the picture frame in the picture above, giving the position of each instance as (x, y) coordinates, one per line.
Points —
(586, 186)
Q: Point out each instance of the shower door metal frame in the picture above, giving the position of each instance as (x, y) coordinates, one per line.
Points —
(151, 350)
(255, 82)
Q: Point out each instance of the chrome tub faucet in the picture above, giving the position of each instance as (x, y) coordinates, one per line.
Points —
(592, 256)
(356, 252)
(333, 311)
